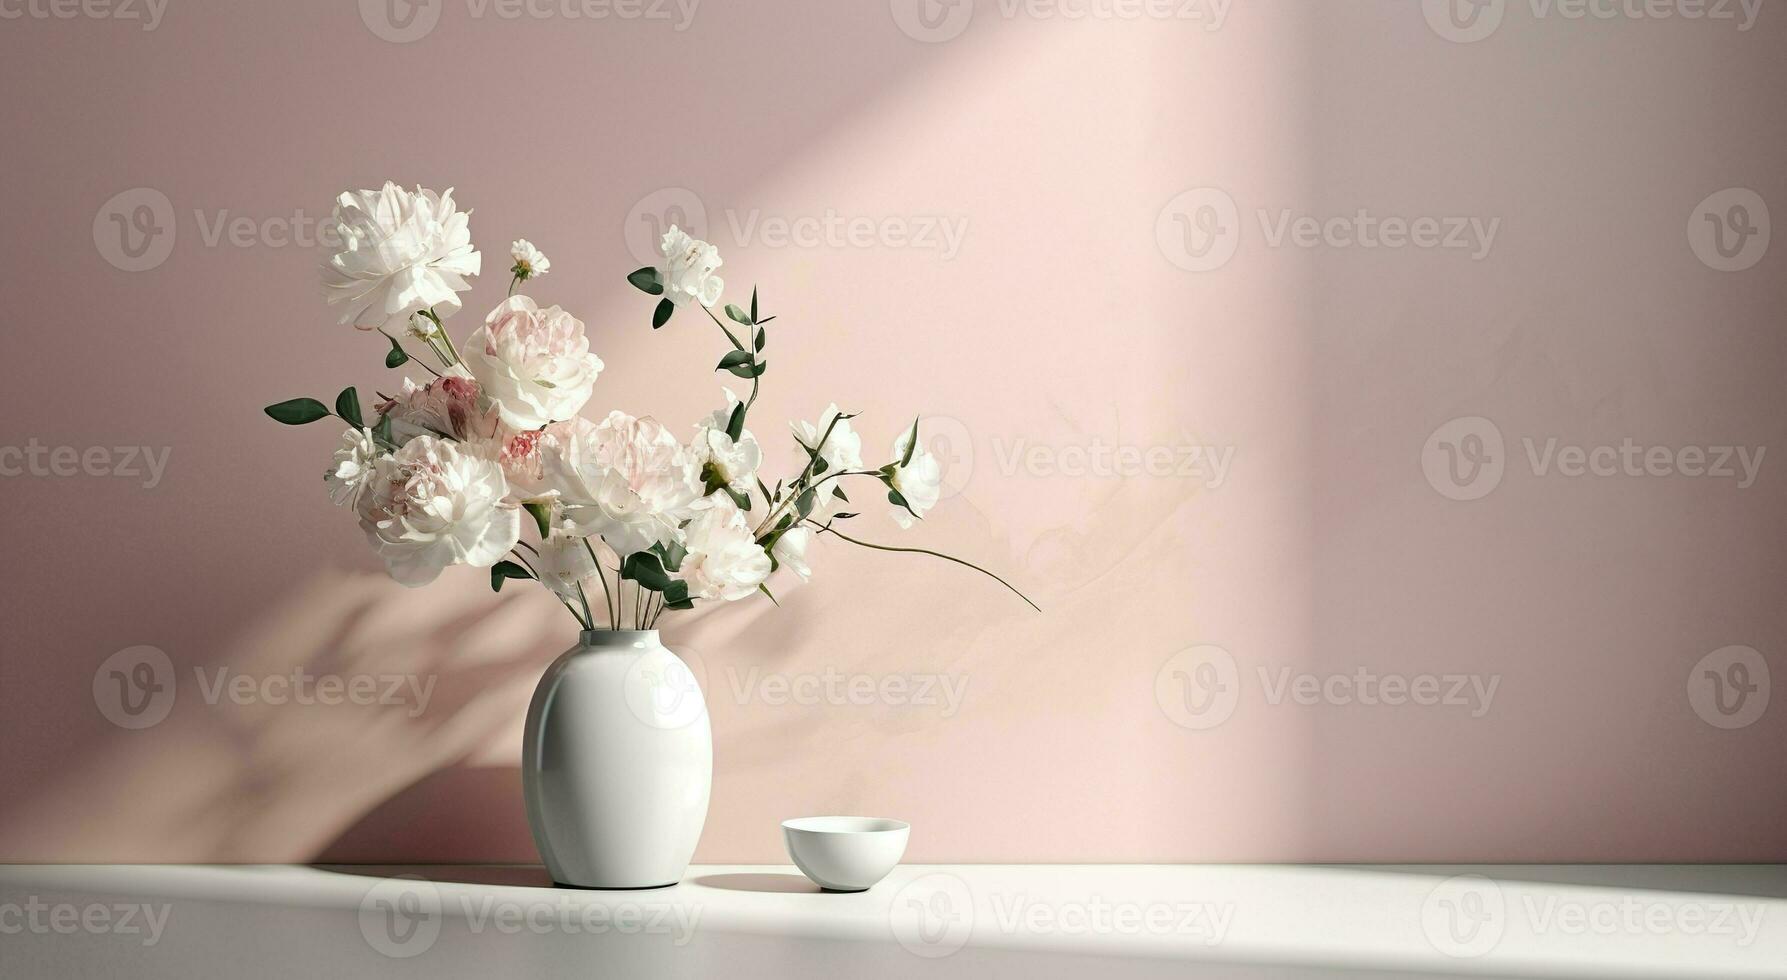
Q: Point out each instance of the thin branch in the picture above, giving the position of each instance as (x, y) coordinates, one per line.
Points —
(925, 551)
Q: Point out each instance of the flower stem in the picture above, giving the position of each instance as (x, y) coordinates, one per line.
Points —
(823, 528)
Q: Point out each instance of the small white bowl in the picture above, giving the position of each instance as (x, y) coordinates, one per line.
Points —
(845, 854)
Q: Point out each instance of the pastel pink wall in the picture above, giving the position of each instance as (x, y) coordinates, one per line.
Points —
(1074, 312)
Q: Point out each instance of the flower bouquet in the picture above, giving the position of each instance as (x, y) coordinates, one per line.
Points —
(630, 520)
(627, 520)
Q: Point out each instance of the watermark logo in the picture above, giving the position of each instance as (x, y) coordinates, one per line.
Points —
(134, 230)
(1465, 916)
(933, 915)
(1199, 229)
(663, 690)
(406, 21)
(1464, 458)
(134, 688)
(1468, 21)
(932, 21)
(1464, 21)
(41, 918)
(952, 445)
(400, 21)
(1199, 687)
(401, 917)
(1729, 231)
(1728, 688)
(654, 214)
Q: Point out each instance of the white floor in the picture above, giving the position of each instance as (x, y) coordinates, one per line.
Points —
(1109, 922)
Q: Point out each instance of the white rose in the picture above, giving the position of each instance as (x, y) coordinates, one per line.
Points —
(530, 262)
(919, 481)
(355, 466)
(842, 449)
(790, 551)
(721, 460)
(400, 252)
(688, 270)
(724, 561)
(534, 365)
(627, 480)
(432, 504)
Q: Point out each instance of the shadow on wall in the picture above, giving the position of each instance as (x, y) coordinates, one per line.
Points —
(352, 692)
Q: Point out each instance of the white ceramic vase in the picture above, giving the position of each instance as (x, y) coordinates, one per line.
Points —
(617, 763)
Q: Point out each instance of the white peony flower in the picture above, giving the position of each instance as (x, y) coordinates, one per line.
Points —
(688, 270)
(355, 464)
(724, 561)
(919, 481)
(842, 449)
(400, 252)
(721, 461)
(446, 406)
(790, 551)
(564, 561)
(434, 504)
(626, 479)
(530, 262)
(534, 365)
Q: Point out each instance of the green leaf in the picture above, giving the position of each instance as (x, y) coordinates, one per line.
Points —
(298, 411)
(739, 497)
(804, 503)
(837, 490)
(661, 315)
(735, 428)
(646, 279)
(758, 342)
(646, 569)
(676, 596)
(542, 512)
(844, 516)
(765, 590)
(737, 315)
(671, 555)
(765, 491)
(382, 432)
(347, 405)
(819, 464)
(396, 358)
(911, 444)
(505, 570)
(733, 359)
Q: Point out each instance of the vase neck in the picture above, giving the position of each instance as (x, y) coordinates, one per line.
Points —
(617, 639)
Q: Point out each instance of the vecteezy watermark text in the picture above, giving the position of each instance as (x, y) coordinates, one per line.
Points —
(404, 21)
(1465, 459)
(401, 917)
(148, 11)
(1199, 230)
(34, 459)
(1200, 687)
(40, 918)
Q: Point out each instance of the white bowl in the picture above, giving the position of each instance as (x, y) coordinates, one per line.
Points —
(845, 854)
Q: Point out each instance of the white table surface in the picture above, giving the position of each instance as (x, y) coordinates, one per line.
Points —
(960, 920)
